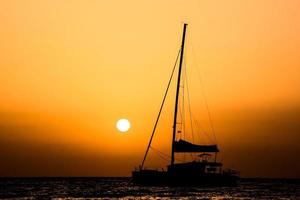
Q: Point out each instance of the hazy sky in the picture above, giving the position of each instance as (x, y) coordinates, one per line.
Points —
(70, 69)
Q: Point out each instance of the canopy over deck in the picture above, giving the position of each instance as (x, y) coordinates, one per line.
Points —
(184, 146)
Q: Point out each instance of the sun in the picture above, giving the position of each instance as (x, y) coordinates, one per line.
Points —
(123, 125)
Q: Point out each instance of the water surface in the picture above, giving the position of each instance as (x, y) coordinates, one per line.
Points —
(104, 188)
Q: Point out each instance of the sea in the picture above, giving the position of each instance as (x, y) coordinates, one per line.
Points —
(123, 188)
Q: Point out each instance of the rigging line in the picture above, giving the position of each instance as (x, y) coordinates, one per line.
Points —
(180, 113)
(202, 90)
(185, 81)
(179, 131)
(161, 107)
(183, 108)
(210, 118)
(166, 155)
(167, 158)
(189, 101)
(202, 129)
(164, 159)
(162, 153)
(203, 93)
(189, 106)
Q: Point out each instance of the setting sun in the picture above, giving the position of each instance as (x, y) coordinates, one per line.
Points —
(123, 125)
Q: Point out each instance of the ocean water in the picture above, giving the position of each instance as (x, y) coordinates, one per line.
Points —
(122, 188)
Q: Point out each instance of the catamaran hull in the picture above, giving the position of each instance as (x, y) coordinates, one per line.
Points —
(157, 178)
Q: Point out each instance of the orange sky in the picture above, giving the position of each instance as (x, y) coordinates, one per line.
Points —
(70, 69)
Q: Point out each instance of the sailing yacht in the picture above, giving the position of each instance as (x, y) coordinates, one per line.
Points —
(205, 170)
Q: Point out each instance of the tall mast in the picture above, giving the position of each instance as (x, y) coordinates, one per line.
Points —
(177, 91)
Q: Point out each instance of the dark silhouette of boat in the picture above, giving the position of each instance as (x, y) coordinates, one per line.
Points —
(204, 170)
